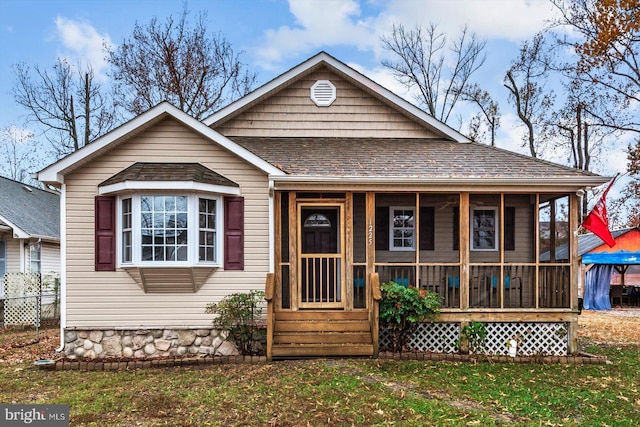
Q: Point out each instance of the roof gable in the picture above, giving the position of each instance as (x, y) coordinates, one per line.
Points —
(317, 62)
(29, 211)
(54, 174)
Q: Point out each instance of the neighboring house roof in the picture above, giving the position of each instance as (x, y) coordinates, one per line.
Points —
(54, 174)
(586, 243)
(29, 211)
(396, 157)
(323, 59)
(169, 172)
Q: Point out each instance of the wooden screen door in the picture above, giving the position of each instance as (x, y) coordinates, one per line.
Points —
(321, 256)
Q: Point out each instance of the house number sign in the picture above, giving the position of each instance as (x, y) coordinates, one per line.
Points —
(370, 234)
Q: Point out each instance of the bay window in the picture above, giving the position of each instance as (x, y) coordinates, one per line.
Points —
(169, 229)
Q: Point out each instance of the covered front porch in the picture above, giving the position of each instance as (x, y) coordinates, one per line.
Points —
(488, 253)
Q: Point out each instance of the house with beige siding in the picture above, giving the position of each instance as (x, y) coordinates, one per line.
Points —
(316, 187)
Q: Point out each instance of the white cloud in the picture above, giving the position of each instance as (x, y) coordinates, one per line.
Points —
(331, 23)
(513, 20)
(81, 42)
(327, 23)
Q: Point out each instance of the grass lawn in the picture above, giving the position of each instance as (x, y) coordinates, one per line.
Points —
(343, 392)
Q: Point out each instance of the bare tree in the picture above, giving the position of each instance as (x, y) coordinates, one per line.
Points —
(489, 112)
(422, 59)
(605, 35)
(626, 209)
(525, 81)
(174, 62)
(18, 155)
(68, 104)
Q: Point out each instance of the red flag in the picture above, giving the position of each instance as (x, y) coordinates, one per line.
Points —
(598, 222)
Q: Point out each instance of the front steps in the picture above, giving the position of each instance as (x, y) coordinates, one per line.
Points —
(320, 333)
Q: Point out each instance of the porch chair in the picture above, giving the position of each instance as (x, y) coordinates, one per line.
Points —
(615, 294)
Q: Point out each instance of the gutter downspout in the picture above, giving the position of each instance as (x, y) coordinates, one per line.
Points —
(63, 265)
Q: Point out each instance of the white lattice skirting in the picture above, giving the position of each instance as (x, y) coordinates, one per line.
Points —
(22, 299)
(544, 339)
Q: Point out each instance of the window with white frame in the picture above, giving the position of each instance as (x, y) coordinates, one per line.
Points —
(169, 229)
(484, 229)
(35, 257)
(402, 228)
(3, 258)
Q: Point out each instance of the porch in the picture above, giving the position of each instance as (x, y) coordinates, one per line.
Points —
(489, 255)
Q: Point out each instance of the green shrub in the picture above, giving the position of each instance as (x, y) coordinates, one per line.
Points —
(401, 310)
(476, 334)
(240, 315)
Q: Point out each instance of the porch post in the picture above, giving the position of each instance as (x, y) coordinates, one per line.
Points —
(371, 235)
(575, 270)
(348, 249)
(463, 244)
(293, 251)
(464, 251)
(277, 229)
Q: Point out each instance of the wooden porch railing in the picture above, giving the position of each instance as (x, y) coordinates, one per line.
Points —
(321, 278)
(269, 293)
(494, 286)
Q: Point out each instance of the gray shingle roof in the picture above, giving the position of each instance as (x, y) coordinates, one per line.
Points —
(393, 157)
(169, 172)
(35, 211)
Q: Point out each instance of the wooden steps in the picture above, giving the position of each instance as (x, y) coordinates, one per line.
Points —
(322, 333)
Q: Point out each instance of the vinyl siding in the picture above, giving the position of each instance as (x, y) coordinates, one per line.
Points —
(14, 246)
(113, 299)
(50, 258)
(292, 113)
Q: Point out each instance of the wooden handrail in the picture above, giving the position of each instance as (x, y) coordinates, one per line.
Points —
(269, 292)
(270, 287)
(375, 287)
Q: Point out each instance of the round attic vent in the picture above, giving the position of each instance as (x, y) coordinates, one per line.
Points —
(323, 93)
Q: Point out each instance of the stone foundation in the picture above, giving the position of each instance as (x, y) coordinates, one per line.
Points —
(145, 343)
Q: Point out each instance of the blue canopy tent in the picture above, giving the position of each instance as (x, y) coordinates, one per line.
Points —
(598, 278)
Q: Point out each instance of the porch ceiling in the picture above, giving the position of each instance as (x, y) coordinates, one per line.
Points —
(417, 159)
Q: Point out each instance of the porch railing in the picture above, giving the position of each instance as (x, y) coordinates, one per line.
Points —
(490, 285)
(321, 278)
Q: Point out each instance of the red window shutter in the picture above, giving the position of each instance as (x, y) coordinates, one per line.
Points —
(105, 241)
(234, 233)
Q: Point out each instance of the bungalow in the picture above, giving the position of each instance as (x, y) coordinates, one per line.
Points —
(321, 184)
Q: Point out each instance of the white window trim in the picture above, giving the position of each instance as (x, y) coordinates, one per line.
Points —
(193, 236)
(392, 247)
(496, 228)
(35, 248)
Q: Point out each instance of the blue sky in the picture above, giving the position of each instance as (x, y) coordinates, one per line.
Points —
(275, 35)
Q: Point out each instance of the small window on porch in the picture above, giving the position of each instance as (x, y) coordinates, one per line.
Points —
(402, 228)
(484, 223)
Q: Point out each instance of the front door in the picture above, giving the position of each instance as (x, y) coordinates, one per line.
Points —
(321, 255)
